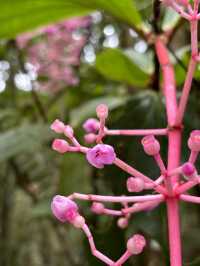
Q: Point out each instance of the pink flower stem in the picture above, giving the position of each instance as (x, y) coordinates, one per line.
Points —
(189, 198)
(142, 206)
(160, 163)
(193, 156)
(186, 186)
(190, 73)
(123, 258)
(180, 11)
(119, 199)
(137, 132)
(112, 212)
(94, 251)
(132, 171)
(174, 147)
(101, 132)
(158, 181)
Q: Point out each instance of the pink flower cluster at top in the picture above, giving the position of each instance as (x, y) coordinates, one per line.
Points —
(55, 52)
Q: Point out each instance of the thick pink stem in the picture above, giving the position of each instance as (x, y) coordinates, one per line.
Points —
(174, 147)
(137, 132)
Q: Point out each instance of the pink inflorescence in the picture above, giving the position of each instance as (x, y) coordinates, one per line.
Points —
(174, 180)
(55, 52)
(101, 155)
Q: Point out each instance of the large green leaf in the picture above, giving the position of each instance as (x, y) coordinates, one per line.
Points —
(23, 15)
(115, 65)
(25, 138)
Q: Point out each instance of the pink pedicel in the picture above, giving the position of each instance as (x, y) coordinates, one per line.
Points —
(64, 209)
(91, 125)
(90, 138)
(188, 169)
(136, 244)
(135, 184)
(58, 126)
(194, 140)
(68, 131)
(151, 145)
(102, 111)
(101, 155)
(97, 208)
(60, 145)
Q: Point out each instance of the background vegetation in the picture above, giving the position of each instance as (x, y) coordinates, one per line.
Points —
(118, 67)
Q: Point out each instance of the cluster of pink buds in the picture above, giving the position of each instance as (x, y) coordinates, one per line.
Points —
(56, 52)
(100, 155)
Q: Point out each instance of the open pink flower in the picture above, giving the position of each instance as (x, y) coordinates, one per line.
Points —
(64, 209)
(101, 155)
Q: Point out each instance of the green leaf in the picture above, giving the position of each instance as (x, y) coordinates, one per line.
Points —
(25, 138)
(88, 109)
(171, 18)
(115, 65)
(22, 15)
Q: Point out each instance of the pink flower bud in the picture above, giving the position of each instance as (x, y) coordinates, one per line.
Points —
(102, 111)
(60, 145)
(135, 184)
(64, 209)
(136, 244)
(188, 169)
(100, 155)
(122, 223)
(58, 126)
(79, 221)
(194, 140)
(97, 207)
(68, 131)
(151, 145)
(90, 138)
(91, 125)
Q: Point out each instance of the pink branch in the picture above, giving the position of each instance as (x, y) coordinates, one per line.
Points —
(189, 198)
(160, 163)
(190, 73)
(185, 187)
(193, 156)
(137, 207)
(119, 199)
(132, 171)
(123, 259)
(137, 132)
(94, 251)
